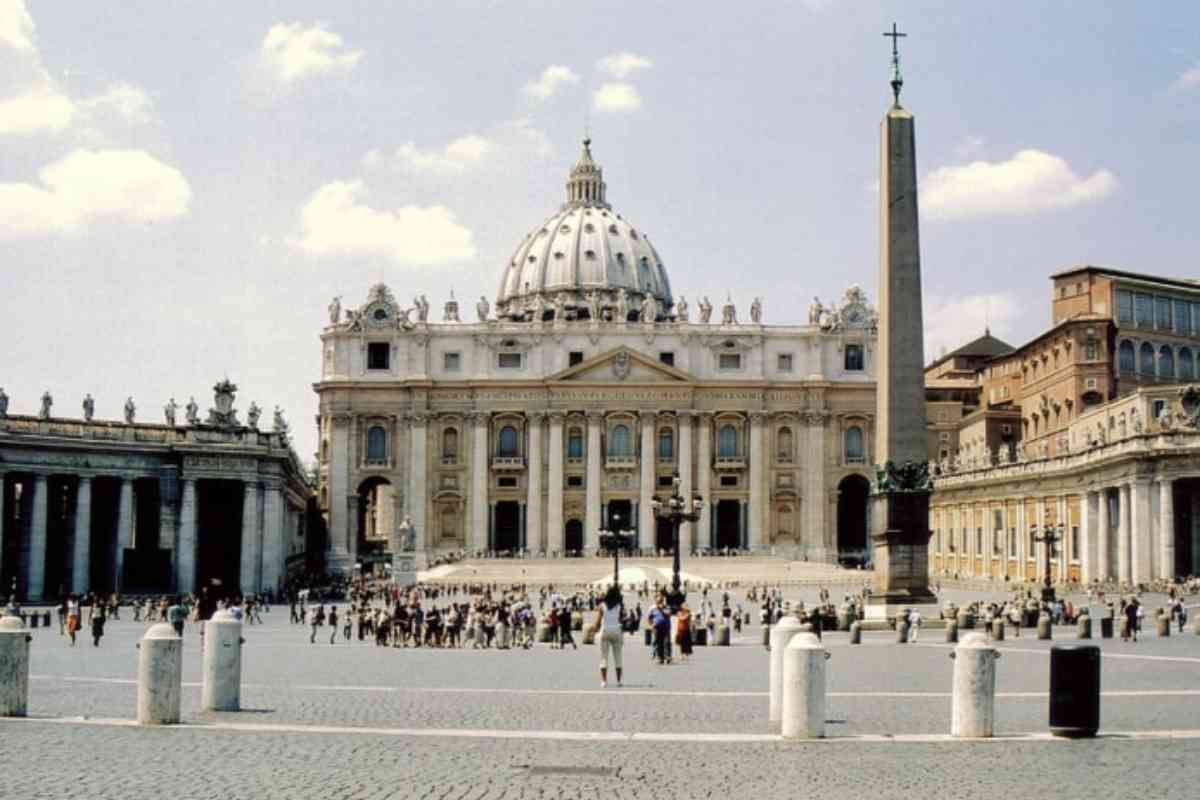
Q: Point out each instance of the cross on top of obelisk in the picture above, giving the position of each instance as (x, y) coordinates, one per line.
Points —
(897, 80)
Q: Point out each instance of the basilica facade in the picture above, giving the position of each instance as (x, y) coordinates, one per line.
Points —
(573, 399)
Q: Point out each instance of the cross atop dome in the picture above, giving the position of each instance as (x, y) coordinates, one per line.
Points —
(585, 185)
(897, 79)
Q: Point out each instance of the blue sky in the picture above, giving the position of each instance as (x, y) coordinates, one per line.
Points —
(185, 186)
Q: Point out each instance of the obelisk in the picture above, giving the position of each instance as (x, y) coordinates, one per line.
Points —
(900, 501)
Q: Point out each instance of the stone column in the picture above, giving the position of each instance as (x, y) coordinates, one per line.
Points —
(758, 480)
(82, 560)
(1087, 565)
(1040, 547)
(534, 538)
(1124, 568)
(684, 456)
(704, 478)
(592, 525)
(1141, 555)
(554, 511)
(478, 540)
(185, 559)
(1166, 529)
(342, 522)
(252, 540)
(646, 529)
(272, 541)
(3, 520)
(1022, 540)
(814, 496)
(417, 477)
(1103, 535)
(35, 583)
(125, 525)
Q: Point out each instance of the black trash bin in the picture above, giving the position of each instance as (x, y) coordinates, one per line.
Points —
(1106, 627)
(1074, 690)
(34, 619)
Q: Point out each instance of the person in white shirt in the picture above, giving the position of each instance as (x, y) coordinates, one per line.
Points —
(608, 621)
(914, 624)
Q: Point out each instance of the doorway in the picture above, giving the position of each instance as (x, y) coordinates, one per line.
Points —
(573, 538)
(506, 537)
(729, 525)
(853, 494)
(663, 535)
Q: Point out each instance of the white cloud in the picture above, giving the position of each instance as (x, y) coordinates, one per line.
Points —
(335, 222)
(1190, 79)
(616, 97)
(88, 185)
(456, 156)
(16, 26)
(292, 51)
(127, 101)
(969, 147)
(951, 322)
(622, 65)
(553, 78)
(1030, 181)
(40, 109)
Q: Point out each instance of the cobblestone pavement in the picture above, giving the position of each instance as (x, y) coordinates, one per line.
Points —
(356, 721)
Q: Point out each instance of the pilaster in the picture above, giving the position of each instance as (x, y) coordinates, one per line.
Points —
(1166, 529)
(478, 539)
(646, 526)
(252, 540)
(37, 539)
(555, 532)
(687, 542)
(81, 560)
(185, 560)
(704, 478)
(758, 493)
(595, 420)
(123, 537)
(534, 535)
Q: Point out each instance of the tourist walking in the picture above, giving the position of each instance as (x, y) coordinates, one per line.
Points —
(72, 617)
(333, 624)
(608, 622)
(97, 622)
(660, 621)
(176, 614)
(683, 636)
(914, 624)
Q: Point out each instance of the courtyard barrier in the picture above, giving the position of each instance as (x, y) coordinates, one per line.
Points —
(1045, 630)
(998, 628)
(1083, 626)
(951, 631)
(14, 667)
(782, 633)
(803, 709)
(1074, 690)
(160, 672)
(855, 633)
(222, 663)
(973, 711)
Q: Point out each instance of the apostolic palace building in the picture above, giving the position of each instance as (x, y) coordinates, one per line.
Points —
(569, 403)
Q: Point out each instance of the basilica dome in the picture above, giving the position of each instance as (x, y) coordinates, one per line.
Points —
(583, 260)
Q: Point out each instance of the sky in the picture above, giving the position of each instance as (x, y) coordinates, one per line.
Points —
(184, 187)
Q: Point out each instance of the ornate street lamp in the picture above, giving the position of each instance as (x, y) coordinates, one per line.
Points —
(677, 509)
(615, 542)
(1050, 535)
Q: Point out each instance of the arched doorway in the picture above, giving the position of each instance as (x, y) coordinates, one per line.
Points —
(376, 523)
(853, 494)
(573, 538)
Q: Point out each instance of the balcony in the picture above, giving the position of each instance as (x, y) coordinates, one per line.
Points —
(620, 462)
(449, 461)
(729, 462)
(507, 463)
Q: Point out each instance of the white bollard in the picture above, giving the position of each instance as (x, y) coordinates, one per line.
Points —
(160, 670)
(781, 636)
(14, 667)
(222, 663)
(973, 715)
(804, 688)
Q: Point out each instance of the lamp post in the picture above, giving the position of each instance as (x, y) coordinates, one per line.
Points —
(677, 509)
(1050, 534)
(615, 542)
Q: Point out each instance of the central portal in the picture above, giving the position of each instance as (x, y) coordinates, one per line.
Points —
(729, 525)
(507, 535)
(620, 517)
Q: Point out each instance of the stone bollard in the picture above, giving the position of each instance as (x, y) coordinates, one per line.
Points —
(1162, 625)
(966, 620)
(1083, 626)
(589, 635)
(804, 688)
(160, 670)
(1196, 625)
(222, 663)
(951, 631)
(545, 633)
(902, 632)
(1044, 629)
(576, 620)
(998, 629)
(14, 667)
(723, 635)
(973, 713)
(781, 636)
(855, 633)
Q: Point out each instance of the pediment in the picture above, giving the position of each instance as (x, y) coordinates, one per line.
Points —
(621, 365)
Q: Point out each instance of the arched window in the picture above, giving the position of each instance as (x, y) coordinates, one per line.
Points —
(1166, 362)
(618, 441)
(855, 449)
(783, 447)
(1187, 367)
(854, 358)
(575, 443)
(727, 442)
(508, 442)
(666, 445)
(1126, 359)
(376, 445)
(1146, 359)
(450, 444)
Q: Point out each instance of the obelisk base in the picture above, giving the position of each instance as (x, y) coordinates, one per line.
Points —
(901, 557)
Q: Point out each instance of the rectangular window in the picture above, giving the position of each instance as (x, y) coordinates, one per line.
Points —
(729, 480)
(1183, 317)
(998, 531)
(1162, 313)
(574, 357)
(665, 481)
(452, 362)
(506, 483)
(508, 360)
(1012, 542)
(979, 541)
(1075, 542)
(667, 358)
(1158, 407)
(378, 355)
(784, 362)
(1124, 306)
(729, 361)
(1091, 350)
(1143, 310)
(574, 481)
